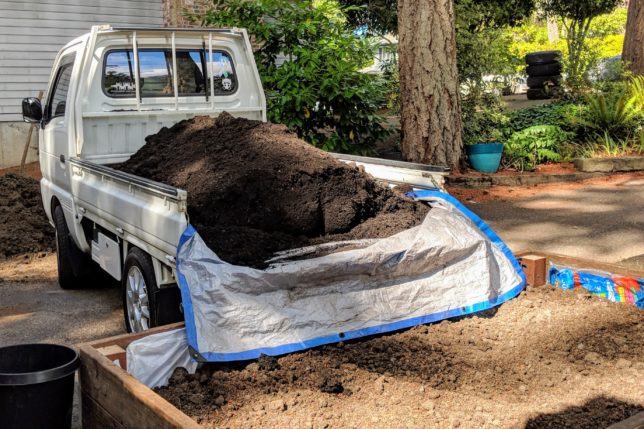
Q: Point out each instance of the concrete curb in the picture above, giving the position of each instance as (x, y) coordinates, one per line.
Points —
(518, 180)
(608, 165)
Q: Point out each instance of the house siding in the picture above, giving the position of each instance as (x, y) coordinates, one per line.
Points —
(33, 31)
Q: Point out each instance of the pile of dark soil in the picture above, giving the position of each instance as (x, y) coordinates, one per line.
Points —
(24, 227)
(547, 359)
(254, 188)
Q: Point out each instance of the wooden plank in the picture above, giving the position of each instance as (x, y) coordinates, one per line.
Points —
(114, 353)
(580, 263)
(21, 86)
(25, 56)
(37, 71)
(108, 16)
(6, 38)
(95, 416)
(106, 8)
(114, 3)
(124, 340)
(132, 404)
(633, 422)
(534, 268)
(25, 79)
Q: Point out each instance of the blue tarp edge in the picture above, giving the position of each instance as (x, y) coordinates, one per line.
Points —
(373, 330)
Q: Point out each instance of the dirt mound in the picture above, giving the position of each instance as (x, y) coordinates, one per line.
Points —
(24, 227)
(254, 188)
(549, 358)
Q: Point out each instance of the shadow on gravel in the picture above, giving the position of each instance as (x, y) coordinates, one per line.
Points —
(595, 413)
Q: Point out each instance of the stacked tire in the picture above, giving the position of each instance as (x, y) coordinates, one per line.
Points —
(544, 74)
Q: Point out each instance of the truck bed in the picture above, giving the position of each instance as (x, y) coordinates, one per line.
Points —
(153, 215)
(148, 214)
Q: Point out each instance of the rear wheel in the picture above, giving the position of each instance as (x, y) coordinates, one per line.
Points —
(139, 292)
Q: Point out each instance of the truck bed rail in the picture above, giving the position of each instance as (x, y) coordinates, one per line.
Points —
(419, 176)
(147, 184)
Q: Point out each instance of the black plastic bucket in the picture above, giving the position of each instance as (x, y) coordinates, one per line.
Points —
(37, 386)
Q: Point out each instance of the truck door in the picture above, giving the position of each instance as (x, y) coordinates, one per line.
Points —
(56, 123)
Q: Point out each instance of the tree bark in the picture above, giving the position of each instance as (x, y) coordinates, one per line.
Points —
(553, 29)
(633, 52)
(430, 114)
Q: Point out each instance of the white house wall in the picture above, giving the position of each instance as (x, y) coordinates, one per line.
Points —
(31, 33)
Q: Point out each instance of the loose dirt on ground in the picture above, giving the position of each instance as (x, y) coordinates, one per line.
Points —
(255, 188)
(24, 227)
(549, 358)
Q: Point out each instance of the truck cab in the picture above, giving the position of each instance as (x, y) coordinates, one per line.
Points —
(108, 90)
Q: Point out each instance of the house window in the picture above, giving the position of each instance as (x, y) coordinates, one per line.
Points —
(155, 73)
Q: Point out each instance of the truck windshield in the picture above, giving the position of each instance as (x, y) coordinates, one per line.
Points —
(155, 73)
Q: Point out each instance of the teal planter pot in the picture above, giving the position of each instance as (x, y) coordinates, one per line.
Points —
(485, 157)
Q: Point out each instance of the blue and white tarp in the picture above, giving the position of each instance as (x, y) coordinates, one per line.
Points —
(451, 264)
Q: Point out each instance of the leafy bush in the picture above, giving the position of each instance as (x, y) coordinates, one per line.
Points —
(636, 90)
(605, 38)
(535, 145)
(317, 90)
(561, 114)
(483, 118)
(616, 115)
(576, 17)
(391, 80)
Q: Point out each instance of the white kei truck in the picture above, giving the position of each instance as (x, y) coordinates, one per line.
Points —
(108, 90)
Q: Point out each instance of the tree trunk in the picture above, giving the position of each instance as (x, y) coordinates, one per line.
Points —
(633, 52)
(553, 29)
(430, 115)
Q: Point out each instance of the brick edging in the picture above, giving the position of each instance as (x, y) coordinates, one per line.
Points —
(518, 180)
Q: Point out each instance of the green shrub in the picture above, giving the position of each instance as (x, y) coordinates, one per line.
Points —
(605, 38)
(636, 91)
(615, 115)
(483, 118)
(318, 91)
(535, 145)
(561, 114)
(391, 81)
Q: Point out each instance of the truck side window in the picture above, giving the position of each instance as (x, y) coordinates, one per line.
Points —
(155, 73)
(59, 94)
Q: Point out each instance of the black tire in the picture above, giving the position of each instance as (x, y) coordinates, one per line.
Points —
(540, 81)
(538, 94)
(551, 69)
(543, 57)
(69, 257)
(140, 260)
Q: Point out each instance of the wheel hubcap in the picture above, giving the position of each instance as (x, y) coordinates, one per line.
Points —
(136, 298)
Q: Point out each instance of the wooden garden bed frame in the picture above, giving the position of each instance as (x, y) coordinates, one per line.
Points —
(112, 398)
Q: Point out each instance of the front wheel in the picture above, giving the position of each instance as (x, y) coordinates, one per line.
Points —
(139, 292)
(74, 267)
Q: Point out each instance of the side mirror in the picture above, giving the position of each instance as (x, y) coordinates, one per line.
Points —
(31, 110)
